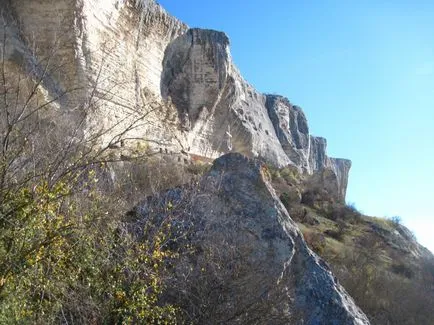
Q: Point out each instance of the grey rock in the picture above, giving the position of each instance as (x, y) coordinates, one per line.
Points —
(291, 128)
(341, 168)
(401, 238)
(195, 71)
(251, 264)
(306, 151)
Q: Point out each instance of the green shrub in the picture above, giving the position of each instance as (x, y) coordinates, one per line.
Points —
(198, 168)
(290, 175)
(285, 199)
(271, 172)
(59, 263)
(309, 197)
(347, 213)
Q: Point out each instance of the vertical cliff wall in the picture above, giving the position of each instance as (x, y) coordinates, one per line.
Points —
(220, 109)
(221, 112)
(123, 61)
(103, 56)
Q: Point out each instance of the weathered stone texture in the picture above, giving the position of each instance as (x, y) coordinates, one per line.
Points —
(104, 56)
(250, 263)
(222, 110)
(124, 60)
(292, 130)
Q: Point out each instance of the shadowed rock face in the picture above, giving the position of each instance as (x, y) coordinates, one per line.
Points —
(215, 105)
(196, 71)
(251, 264)
(291, 128)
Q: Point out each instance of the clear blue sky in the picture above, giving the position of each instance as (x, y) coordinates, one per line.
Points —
(363, 71)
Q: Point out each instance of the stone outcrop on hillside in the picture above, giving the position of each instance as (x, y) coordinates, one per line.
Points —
(112, 65)
(249, 262)
(127, 60)
(307, 151)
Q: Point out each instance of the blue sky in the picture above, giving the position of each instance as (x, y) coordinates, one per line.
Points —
(363, 72)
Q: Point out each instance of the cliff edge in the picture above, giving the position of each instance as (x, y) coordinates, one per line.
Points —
(129, 58)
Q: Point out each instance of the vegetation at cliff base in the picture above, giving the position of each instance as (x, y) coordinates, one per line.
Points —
(67, 252)
(377, 260)
(63, 263)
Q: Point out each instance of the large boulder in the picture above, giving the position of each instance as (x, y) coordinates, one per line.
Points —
(249, 263)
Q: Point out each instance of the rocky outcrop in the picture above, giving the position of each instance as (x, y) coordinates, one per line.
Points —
(122, 61)
(217, 107)
(221, 112)
(291, 128)
(341, 169)
(250, 264)
(102, 57)
(112, 63)
(304, 150)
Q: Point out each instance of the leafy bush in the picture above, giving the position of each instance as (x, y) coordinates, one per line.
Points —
(285, 199)
(66, 255)
(290, 175)
(290, 198)
(272, 173)
(309, 197)
(198, 168)
(301, 214)
(62, 264)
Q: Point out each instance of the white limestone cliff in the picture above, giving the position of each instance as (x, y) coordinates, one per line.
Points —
(127, 60)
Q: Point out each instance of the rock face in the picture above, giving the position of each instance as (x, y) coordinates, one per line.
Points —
(304, 150)
(100, 56)
(292, 130)
(250, 263)
(111, 63)
(222, 110)
(127, 60)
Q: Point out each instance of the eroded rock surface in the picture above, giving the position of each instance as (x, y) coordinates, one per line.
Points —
(222, 112)
(123, 61)
(250, 264)
(307, 151)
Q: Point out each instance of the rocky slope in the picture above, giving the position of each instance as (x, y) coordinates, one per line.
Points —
(250, 263)
(378, 260)
(127, 73)
(127, 60)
